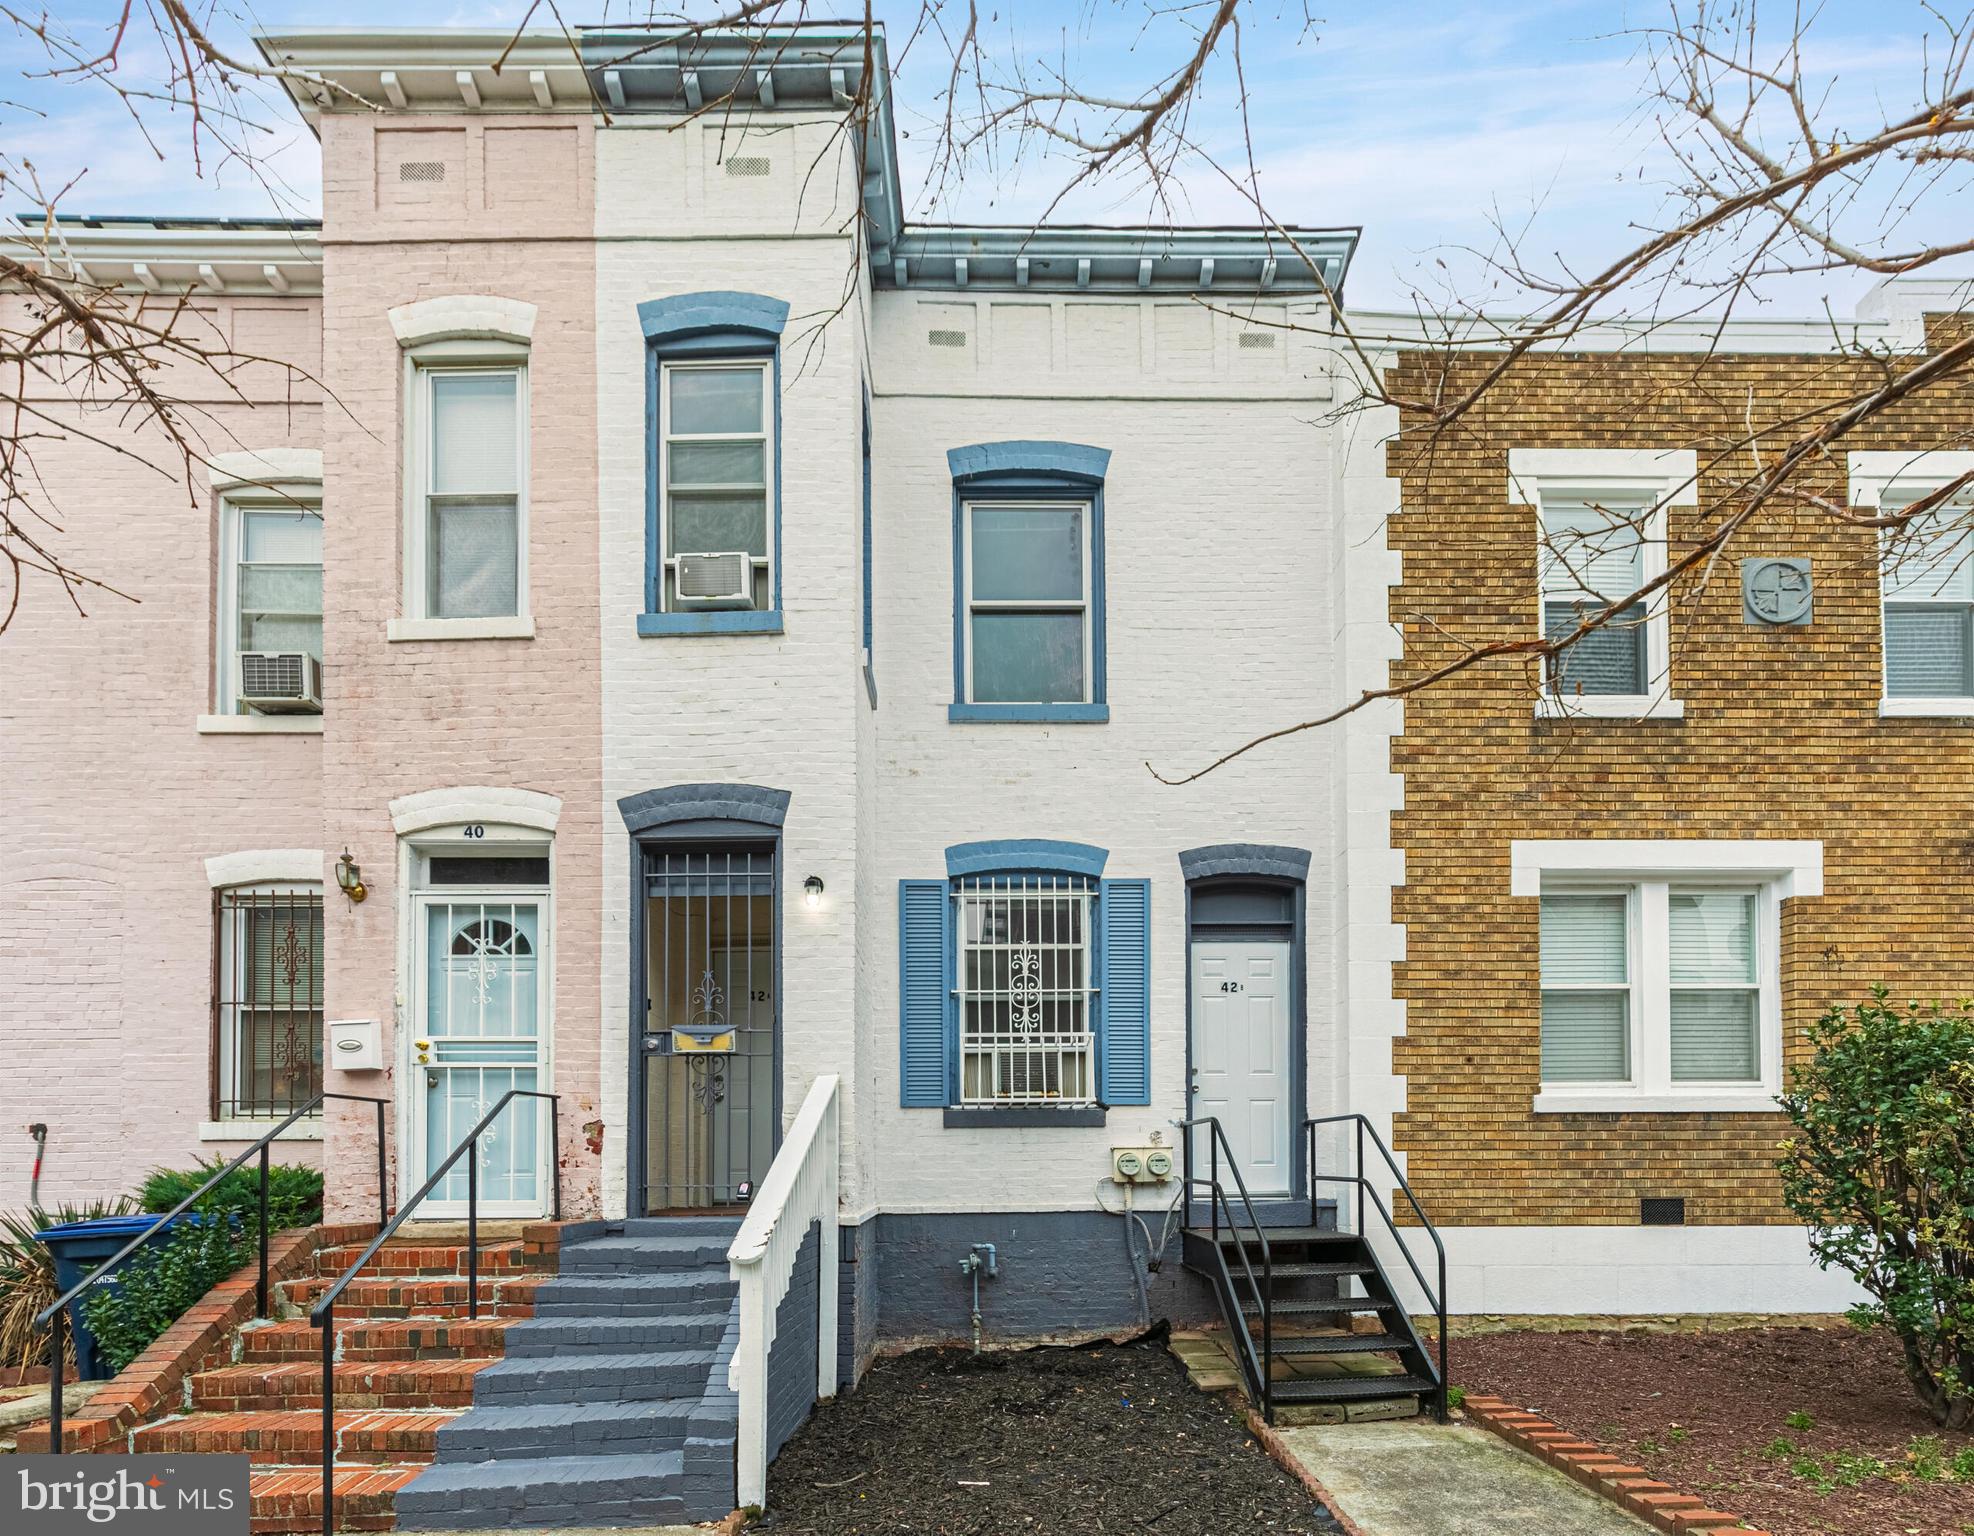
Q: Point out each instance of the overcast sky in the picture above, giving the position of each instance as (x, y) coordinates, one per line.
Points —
(1423, 122)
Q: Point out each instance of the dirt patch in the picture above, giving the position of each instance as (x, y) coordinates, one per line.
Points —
(1800, 1431)
(1043, 1442)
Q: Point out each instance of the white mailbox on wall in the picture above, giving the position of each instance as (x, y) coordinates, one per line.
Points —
(356, 1045)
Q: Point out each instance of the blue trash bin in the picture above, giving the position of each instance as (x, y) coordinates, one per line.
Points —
(78, 1247)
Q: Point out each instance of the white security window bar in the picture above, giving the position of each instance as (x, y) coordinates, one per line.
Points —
(1027, 576)
(469, 543)
(1595, 552)
(1025, 988)
(270, 598)
(1660, 989)
(267, 1002)
(1928, 570)
(715, 468)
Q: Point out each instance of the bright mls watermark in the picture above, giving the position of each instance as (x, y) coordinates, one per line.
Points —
(151, 1495)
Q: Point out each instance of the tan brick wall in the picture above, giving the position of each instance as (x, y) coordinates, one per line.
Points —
(1781, 739)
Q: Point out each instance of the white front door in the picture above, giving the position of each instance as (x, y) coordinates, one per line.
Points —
(482, 982)
(1241, 1061)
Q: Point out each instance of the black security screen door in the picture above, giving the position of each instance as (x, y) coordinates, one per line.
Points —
(708, 1050)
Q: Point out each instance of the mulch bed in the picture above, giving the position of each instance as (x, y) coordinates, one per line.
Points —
(1042, 1442)
(1705, 1412)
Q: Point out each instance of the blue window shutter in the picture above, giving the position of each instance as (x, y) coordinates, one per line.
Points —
(924, 990)
(1125, 1046)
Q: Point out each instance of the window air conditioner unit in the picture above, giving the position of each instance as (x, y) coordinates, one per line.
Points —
(716, 580)
(281, 682)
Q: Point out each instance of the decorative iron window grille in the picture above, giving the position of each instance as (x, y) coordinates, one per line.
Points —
(267, 1001)
(1026, 991)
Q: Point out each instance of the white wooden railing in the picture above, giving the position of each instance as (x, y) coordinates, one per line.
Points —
(801, 1187)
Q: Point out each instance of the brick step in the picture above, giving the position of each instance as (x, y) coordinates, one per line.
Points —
(421, 1258)
(418, 1296)
(643, 1377)
(535, 1430)
(644, 1490)
(359, 1384)
(361, 1338)
(294, 1436)
(290, 1498)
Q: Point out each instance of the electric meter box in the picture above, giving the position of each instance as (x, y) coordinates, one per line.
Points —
(1140, 1165)
(356, 1045)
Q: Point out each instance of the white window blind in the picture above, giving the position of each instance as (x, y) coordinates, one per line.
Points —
(1929, 605)
(472, 529)
(1591, 556)
(1586, 995)
(1715, 996)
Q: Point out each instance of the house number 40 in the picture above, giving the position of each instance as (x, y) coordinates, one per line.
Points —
(476, 830)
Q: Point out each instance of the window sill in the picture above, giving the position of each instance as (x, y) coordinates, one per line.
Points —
(719, 621)
(1028, 714)
(506, 627)
(1610, 706)
(260, 725)
(253, 1130)
(1023, 1116)
(1572, 1101)
(1910, 709)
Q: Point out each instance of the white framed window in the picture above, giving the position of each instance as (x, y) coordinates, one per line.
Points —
(467, 524)
(716, 478)
(1598, 548)
(1665, 991)
(1927, 580)
(267, 1003)
(1026, 570)
(1026, 989)
(270, 599)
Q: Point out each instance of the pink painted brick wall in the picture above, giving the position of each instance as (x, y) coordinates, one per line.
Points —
(512, 219)
(113, 800)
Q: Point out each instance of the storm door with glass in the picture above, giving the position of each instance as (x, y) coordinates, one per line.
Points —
(707, 1053)
(481, 1006)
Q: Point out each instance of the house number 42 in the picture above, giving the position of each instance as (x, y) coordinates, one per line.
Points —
(1231, 986)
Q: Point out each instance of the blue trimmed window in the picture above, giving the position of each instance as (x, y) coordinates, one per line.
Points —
(1024, 986)
(1028, 583)
(712, 464)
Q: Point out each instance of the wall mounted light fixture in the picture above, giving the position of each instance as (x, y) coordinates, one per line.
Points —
(812, 889)
(349, 878)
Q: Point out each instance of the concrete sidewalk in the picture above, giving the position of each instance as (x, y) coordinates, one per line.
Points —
(1422, 1479)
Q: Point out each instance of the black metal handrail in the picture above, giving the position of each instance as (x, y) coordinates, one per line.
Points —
(323, 1313)
(55, 1315)
(1256, 1368)
(1368, 1194)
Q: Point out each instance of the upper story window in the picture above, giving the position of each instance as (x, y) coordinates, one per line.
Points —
(269, 656)
(1028, 581)
(1601, 538)
(468, 535)
(714, 537)
(1928, 571)
(1027, 603)
(715, 468)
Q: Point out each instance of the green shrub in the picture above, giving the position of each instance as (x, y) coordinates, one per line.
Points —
(27, 1278)
(1882, 1170)
(156, 1284)
(294, 1193)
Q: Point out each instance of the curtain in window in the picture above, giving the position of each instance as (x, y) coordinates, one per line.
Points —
(1025, 570)
(1714, 1013)
(280, 581)
(474, 536)
(1586, 1001)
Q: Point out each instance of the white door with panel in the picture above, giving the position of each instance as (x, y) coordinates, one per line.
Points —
(1241, 1067)
(481, 1001)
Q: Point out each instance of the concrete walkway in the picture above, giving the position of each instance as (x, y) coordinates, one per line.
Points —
(1421, 1479)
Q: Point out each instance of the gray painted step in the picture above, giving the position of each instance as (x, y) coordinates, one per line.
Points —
(644, 1254)
(680, 1226)
(545, 1491)
(562, 1429)
(613, 1335)
(672, 1292)
(625, 1378)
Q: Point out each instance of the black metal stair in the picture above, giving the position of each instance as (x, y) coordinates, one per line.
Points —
(1273, 1281)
